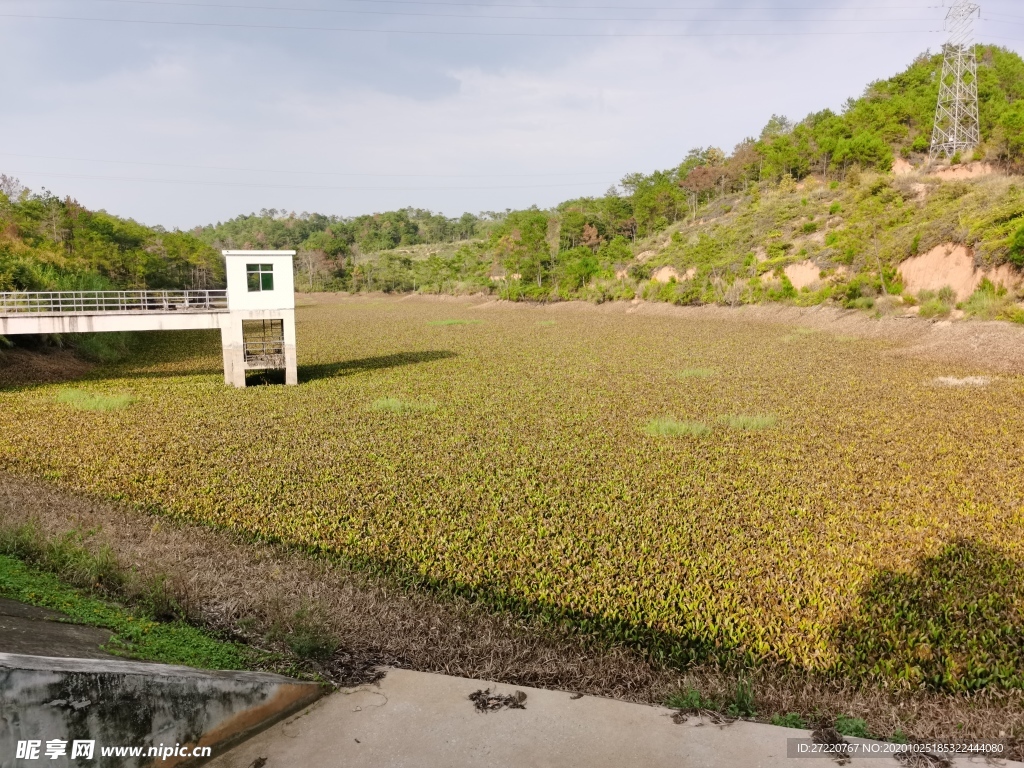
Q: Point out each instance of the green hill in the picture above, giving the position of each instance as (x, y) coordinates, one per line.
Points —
(820, 192)
(49, 243)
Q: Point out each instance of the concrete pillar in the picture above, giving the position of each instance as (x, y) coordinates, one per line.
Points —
(233, 347)
(291, 361)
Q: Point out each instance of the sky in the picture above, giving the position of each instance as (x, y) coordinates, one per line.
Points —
(187, 112)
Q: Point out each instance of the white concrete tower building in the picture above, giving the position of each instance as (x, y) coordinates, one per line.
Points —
(259, 331)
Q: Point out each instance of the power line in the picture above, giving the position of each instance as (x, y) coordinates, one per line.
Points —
(478, 17)
(302, 173)
(454, 33)
(420, 14)
(517, 6)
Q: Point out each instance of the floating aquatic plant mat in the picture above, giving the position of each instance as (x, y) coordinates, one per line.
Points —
(835, 510)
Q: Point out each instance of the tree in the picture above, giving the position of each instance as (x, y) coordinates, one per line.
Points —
(521, 244)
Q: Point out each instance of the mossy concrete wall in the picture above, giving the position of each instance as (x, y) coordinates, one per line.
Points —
(135, 704)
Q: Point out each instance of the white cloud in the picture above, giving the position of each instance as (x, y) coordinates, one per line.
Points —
(589, 112)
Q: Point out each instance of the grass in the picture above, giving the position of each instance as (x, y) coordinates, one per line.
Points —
(852, 726)
(750, 423)
(737, 703)
(145, 614)
(94, 401)
(395, 405)
(936, 304)
(453, 322)
(135, 635)
(667, 426)
(876, 537)
(690, 700)
(789, 720)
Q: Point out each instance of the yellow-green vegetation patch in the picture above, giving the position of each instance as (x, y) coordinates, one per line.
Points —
(395, 405)
(750, 422)
(546, 322)
(453, 322)
(94, 401)
(878, 535)
(667, 426)
(697, 373)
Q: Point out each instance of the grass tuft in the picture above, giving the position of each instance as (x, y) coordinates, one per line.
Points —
(453, 322)
(789, 720)
(742, 704)
(852, 726)
(94, 401)
(689, 700)
(667, 426)
(750, 423)
(394, 405)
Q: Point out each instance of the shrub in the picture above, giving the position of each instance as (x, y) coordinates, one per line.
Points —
(987, 302)
(937, 304)
(932, 308)
(1017, 248)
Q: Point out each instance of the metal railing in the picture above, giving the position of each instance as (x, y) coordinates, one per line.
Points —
(95, 302)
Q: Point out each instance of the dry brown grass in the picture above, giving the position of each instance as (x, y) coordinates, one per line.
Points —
(20, 367)
(250, 588)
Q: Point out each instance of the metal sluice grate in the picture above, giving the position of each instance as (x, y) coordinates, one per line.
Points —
(264, 343)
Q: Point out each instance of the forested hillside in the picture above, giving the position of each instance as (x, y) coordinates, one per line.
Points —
(50, 243)
(819, 191)
(729, 222)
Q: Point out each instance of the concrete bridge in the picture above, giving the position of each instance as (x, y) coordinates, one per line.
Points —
(255, 315)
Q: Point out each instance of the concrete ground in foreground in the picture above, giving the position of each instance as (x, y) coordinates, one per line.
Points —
(27, 629)
(425, 720)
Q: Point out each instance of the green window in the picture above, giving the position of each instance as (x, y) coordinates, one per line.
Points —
(260, 277)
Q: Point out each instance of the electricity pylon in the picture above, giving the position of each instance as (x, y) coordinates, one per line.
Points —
(956, 116)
